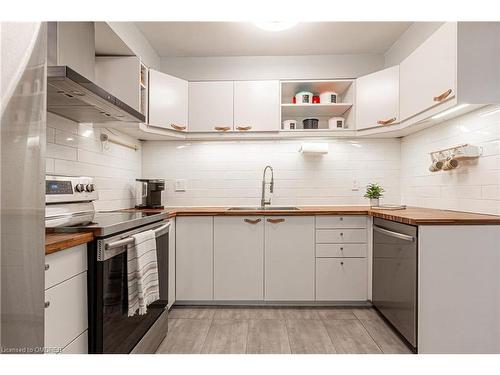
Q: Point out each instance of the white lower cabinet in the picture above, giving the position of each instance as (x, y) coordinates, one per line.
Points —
(66, 321)
(341, 279)
(238, 258)
(194, 258)
(289, 258)
(66, 311)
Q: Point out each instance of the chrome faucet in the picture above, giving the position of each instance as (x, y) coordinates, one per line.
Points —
(263, 201)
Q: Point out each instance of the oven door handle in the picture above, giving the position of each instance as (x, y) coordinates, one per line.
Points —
(401, 236)
(129, 240)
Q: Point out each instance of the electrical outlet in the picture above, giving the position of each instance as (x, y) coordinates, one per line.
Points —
(180, 185)
(355, 185)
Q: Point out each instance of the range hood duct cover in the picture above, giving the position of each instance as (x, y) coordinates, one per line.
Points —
(74, 97)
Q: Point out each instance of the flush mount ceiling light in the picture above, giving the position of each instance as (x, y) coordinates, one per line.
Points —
(275, 26)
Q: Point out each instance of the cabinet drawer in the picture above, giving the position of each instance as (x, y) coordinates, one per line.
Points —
(341, 236)
(66, 313)
(324, 222)
(65, 264)
(341, 279)
(330, 250)
(79, 345)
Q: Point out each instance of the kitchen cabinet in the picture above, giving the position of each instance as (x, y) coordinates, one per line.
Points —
(428, 75)
(257, 105)
(341, 279)
(168, 101)
(289, 258)
(341, 258)
(377, 99)
(171, 263)
(194, 258)
(121, 76)
(238, 258)
(66, 313)
(210, 106)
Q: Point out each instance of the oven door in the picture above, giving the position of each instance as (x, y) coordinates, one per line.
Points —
(111, 330)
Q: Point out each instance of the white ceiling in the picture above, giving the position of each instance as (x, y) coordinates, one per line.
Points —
(189, 39)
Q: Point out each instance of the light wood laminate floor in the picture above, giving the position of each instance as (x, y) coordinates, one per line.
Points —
(279, 330)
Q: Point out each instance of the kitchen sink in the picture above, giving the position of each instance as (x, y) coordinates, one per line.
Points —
(267, 208)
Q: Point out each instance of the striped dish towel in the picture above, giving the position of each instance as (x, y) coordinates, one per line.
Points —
(142, 272)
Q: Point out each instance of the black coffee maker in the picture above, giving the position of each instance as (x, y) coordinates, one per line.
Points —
(149, 192)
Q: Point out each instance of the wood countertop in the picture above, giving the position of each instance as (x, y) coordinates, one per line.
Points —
(55, 242)
(410, 215)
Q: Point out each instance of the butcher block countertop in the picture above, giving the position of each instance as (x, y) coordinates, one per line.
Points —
(410, 215)
(55, 242)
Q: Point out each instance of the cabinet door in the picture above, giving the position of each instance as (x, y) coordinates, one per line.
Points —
(238, 258)
(194, 258)
(256, 106)
(429, 72)
(377, 99)
(171, 263)
(289, 258)
(66, 311)
(210, 106)
(80, 345)
(168, 101)
(341, 279)
(120, 75)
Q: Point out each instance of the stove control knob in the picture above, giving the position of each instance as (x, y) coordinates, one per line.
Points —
(89, 188)
(80, 188)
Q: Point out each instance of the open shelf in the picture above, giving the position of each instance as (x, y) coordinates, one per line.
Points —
(314, 110)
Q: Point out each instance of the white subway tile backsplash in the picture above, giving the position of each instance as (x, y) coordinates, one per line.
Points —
(75, 149)
(230, 173)
(474, 185)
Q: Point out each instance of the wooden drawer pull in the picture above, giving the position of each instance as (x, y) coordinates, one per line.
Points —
(250, 221)
(243, 128)
(443, 96)
(275, 221)
(177, 127)
(386, 122)
(222, 128)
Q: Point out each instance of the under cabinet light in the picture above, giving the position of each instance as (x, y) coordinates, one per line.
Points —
(451, 110)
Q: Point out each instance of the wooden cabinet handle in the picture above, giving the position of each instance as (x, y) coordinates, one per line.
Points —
(443, 96)
(275, 221)
(250, 221)
(177, 127)
(386, 122)
(222, 128)
(243, 128)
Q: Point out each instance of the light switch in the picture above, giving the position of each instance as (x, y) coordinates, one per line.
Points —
(180, 185)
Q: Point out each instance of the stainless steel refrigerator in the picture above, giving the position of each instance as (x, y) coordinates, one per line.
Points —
(22, 168)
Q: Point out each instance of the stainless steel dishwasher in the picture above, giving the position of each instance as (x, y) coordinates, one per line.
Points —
(395, 275)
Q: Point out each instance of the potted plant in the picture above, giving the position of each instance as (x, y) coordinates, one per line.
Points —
(374, 192)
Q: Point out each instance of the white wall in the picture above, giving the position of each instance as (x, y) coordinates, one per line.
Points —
(474, 186)
(271, 67)
(413, 37)
(75, 149)
(230, 173)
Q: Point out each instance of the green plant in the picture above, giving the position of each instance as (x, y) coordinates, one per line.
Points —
(374, 191)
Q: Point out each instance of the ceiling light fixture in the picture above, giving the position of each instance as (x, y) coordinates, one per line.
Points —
(275, 26)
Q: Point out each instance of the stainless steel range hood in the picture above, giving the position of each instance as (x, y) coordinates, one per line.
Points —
(74, 97)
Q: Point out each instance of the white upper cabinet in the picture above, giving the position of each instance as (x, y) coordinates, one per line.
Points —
(210, 106)
(377, 99)
(256, 106)
(428, 75)
(168, 101)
